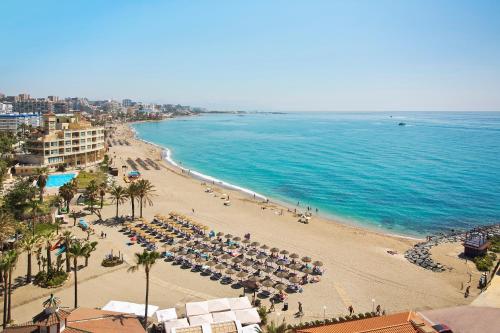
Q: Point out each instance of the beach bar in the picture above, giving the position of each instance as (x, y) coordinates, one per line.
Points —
(475, 245)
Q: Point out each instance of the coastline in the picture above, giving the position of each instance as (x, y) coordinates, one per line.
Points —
(166, 154)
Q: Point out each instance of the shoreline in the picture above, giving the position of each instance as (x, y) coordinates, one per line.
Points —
(167, 157)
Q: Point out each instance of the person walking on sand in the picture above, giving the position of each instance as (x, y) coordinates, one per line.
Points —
(271, 309)
(378, 309)
(301, 311)
(351, 310)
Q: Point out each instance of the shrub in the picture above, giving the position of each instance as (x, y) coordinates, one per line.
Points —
(361, 316)
(335, 320)
(111, 261)
(368, 314)
(485, 263)
(53, 279)
(262, 311)
(495, 244)
(341, 319)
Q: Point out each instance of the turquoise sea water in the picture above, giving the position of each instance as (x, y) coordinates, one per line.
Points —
(58, 180)
(439, 172)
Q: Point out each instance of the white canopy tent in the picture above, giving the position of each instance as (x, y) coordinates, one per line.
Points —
(254, 328)
(166, 315)
(219, 304)
(131, 308)
(240, 303)
(175, 323)
(196, 308)
(201, 319)
(220, 317)
(248, 316)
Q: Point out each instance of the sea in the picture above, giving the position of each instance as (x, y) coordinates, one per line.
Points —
(406, 173)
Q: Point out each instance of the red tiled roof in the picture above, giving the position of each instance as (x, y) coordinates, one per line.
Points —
(93, 320)
(48, 319)
(396, 323)
(24, 328)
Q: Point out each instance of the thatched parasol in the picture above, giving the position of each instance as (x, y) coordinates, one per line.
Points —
(306, 259)
(294, 256)
(318, 263)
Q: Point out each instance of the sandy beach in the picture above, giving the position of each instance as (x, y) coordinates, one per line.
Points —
(358, 267)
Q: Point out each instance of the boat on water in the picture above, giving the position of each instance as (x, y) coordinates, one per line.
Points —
(402, 124)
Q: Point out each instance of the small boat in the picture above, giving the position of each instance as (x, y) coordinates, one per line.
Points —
(402, 124)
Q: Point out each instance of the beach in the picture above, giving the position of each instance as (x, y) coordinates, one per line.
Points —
(359, 270)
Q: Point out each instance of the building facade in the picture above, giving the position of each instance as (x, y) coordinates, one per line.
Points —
(11, 122)
(67, 140)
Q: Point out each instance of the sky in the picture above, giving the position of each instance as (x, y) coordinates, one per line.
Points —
(361, 55)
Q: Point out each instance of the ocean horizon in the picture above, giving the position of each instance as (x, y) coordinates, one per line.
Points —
(407, 173)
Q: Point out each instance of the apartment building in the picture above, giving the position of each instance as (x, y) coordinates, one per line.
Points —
(67, 140)
(11, 122)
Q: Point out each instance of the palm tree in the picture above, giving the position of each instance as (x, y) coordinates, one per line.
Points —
(48, 240)
(12, 257)
(76, 250)
(133, 193)
(29, 244)
(89, 248)
(118, 196)
(146, 260)
(102, 193)
(274, 328)
(41, 180)
(67, 237)
(91, 194)
(7, 262)
(35, 210)
(7, 226)
(74, 215)
(145, 192)
(67, 192)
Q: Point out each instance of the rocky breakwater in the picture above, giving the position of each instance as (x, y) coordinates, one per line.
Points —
(420, 254)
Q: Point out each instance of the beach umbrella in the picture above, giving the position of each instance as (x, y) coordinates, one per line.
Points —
(245, 241)
(268, 283)
(229, 271)
(294, 256)
(220, 266)
(294, 279)
(237, 260)
(258, 266)
(251, 253)
(217, 253)
(236, 239)
(232, 247)
(280, 286)
(226, 256)
(183, 252)
(220, 234)
(270, 260)
(228, 236)
(183, 241)
(306, 259)
(296, 267)
(200, 260)
(206, 239)
(247, 263)
(275, 250)
(268, 269)
(261, 256)
(282, 275)
(284, 252)
(211, 263)
(241, 275)
(191, 256)
(281, 262)
(264, 247)
(318, 263)
(255, 244)
(307, 270)
(254, 278)
(215, 241)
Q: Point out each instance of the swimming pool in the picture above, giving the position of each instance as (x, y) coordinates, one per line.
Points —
(58, 180)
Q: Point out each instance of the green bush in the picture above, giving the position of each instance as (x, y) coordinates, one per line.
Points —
(111, 262)
(486, 262)
(495, 244)
(51, 280)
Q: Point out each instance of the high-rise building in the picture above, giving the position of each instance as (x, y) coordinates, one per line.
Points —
(127, 102)
(67, 140)
(24, 97)
(39, 105)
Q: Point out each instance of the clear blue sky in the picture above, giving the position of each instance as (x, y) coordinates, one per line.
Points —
(259, 54)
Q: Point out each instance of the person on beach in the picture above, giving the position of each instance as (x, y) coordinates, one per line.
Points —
(271, 309)
(301, 311)
(378, 309)
(351, 310)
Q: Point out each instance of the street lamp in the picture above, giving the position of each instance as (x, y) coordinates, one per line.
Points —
(373, 304)
(324, 312)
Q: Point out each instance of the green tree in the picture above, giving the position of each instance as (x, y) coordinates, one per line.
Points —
(89, 248)
(102, 192)
(35, 210)
(29, 244)
(49, 239)
(145, 192)
(7, 226)
(67, 238)
(7, 264)
(67, 192)
(91, 192)
(76, 250)
(118, 196)
(41, 181)
(19, 196)
(146, 260)
(133, 193)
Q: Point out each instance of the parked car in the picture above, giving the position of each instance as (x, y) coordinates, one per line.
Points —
(442, 328)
